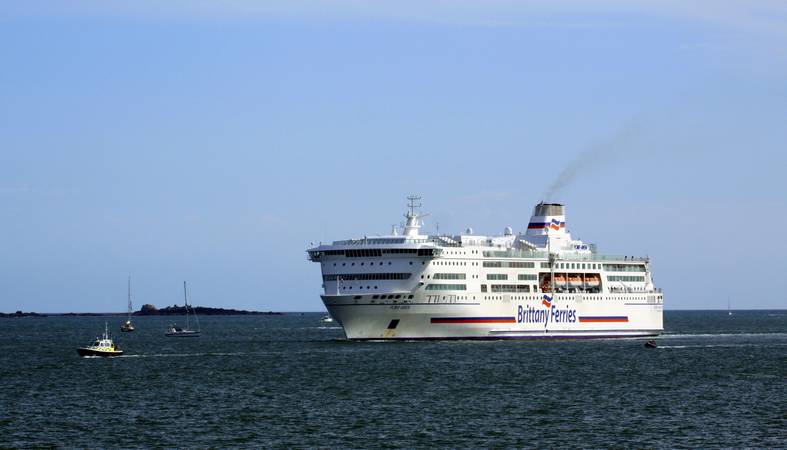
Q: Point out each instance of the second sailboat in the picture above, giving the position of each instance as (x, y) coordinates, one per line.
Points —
(176, 331)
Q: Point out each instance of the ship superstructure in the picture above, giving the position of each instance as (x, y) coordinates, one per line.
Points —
(540, 283)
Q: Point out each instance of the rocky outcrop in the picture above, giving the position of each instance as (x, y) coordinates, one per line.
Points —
(175, 310)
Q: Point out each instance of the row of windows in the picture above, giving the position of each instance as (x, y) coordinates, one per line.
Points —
(625, 278)
(446, 287)
(391, 296)
(449, 276)
(496, 276)
(527, 276)
(563, 265)
(515, 264)
(367, 276)
(378, 252)
(510, 288)
(624, 267)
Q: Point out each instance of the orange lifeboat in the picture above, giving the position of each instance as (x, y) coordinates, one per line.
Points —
(592, 280)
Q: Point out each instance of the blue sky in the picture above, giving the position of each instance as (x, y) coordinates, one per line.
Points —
(213, 141)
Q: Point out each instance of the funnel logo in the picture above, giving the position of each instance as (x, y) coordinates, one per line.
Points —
(547, 301)
(554, 224)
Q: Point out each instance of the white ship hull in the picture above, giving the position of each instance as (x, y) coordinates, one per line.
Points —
(570, 316)
(537, 284)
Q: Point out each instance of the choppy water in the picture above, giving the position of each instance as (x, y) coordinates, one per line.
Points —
(289, 381)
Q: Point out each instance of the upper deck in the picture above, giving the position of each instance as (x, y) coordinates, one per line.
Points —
(546, 237)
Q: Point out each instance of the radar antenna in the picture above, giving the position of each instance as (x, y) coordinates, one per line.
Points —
(413, 224)
(413, 202)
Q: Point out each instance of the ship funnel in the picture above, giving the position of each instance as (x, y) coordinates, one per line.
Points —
(547, 219)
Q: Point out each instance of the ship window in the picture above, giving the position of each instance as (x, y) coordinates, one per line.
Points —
(411, 263)
(446, 287)
(398, 296)
(375, 296)
(410, 296)
(356, 297)
(392, 325)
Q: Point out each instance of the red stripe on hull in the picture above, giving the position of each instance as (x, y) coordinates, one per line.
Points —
(603, 319)
(473, 321)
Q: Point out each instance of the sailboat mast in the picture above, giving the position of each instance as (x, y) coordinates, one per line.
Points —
(129, 297)
(186, 301)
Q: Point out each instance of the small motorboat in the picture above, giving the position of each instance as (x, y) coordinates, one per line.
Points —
(651, 344)
(326, 319)
(102, 346)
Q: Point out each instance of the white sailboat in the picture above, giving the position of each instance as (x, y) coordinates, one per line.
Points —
(729, 311)
(176, 331)
(127, 325)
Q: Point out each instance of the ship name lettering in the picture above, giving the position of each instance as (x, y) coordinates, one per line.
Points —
(529, 314)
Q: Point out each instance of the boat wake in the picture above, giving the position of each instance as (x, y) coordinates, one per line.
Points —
(720, 346)
(722, 335)
(181, 355)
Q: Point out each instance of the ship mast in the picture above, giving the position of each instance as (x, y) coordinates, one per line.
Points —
(413, 224)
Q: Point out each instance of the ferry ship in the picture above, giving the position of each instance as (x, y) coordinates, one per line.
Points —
(538, 284)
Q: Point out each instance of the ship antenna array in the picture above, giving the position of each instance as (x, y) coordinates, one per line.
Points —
(414, 202)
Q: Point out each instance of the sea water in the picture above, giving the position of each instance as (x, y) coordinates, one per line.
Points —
(293, 381)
